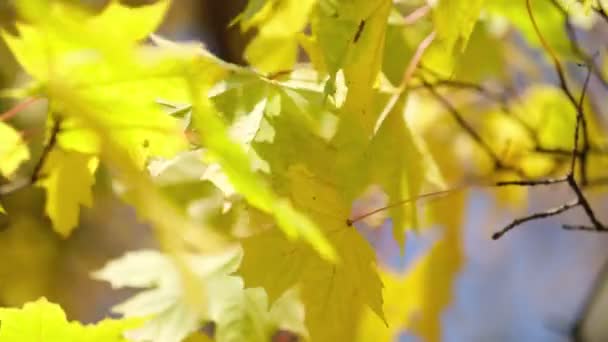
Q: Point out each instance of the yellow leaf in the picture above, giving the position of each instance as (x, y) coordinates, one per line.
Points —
(67, 178)
(275, 47)
(362, 70)
(237, 165)
(431, 281)
(45, 321)
(334, 295)
(13, 150)
(398, 166)
(130, 23)
(396, 309)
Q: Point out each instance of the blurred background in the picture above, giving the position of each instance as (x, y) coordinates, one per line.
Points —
(535, 284)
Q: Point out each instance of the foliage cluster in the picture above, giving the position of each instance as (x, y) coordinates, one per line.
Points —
(248, 175)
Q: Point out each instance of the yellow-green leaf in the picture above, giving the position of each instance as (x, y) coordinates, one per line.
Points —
(275, 47)
(334, 295)
(399, 171)
(45, 321)
(130, 23)
(351, 36)
(237, 166)
(13, 150)
(67, 178)
(432, 280)
(454, 21)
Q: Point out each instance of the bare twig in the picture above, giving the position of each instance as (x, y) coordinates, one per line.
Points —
(416, 15)
(532, 182)
(580, 118)
(9, 114)
(409, 71)
(351, 221)
(577, 48)
(535, 216)
(498, 163)
(580, 131)
(601, 11)
(56, 126)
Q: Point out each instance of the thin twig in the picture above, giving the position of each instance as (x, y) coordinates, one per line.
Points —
(46, 150)
(559, 69)
(532, 182)
(416, 15)
(581, 117)
(564, 152)
(407, 75)
(601, 11)
(575, 154)
(351, 221)
(576, 47)
(498, 164)
(581, 227)
(582, 200)
(9, 114)
(535, 216)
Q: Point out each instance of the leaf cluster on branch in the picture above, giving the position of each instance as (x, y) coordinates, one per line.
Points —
(249, 177)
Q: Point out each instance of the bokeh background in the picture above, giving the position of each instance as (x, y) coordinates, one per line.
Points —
(532, 285)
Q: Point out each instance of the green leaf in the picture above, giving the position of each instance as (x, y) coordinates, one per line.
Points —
(13, 150)
(67, 178)
(44, 321)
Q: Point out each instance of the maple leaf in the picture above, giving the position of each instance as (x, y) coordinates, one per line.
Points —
(102, 69)
(67, 178)
(318, 175)
(58, 29)
(45, 321)
(454, 21)
(13, 150)
(333, 294)
(173, 317)
(239, 314)
(274, 48)
(350, 36)
(236, 164)
(416, 298)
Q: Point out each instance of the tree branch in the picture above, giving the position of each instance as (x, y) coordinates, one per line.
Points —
(580, 130)
(536, 216)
